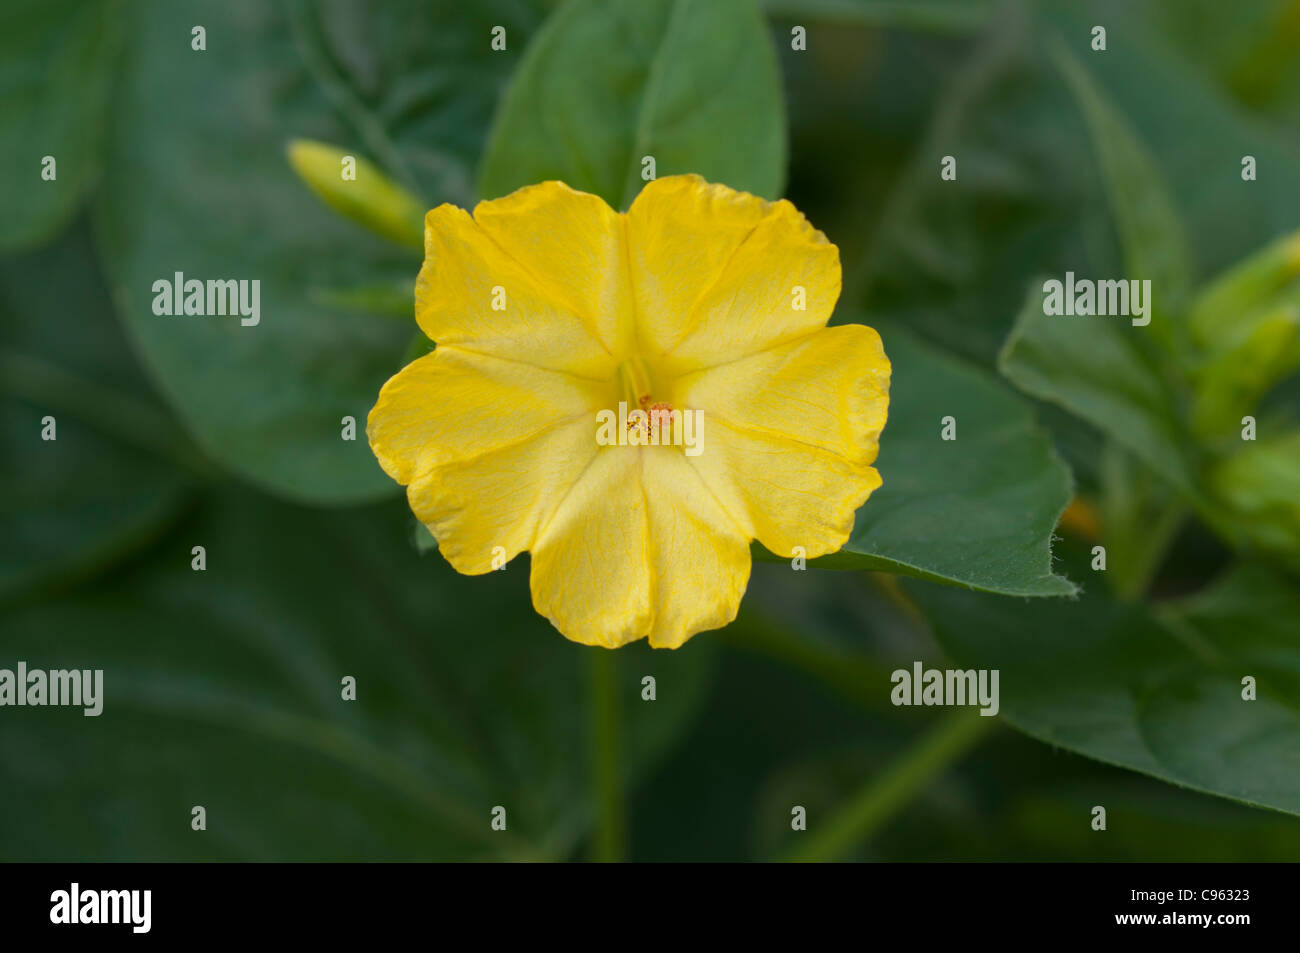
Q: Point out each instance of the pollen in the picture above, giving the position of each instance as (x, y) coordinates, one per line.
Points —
(657, 414)
(660, 414)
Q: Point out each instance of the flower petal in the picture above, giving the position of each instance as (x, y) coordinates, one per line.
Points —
(699, 554)
(551, 261)
(790, 435)
(639, 548)
(784, 493)
(716, 273)
(591, 572)
(829, 389)
(486, 510)
(458, 405)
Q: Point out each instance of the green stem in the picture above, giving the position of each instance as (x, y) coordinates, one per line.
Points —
(1149, 554)
(311, 43)
(854, 677)
(607, 777)
(895, 787)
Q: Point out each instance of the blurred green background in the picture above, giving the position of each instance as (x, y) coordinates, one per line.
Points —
(223, 686)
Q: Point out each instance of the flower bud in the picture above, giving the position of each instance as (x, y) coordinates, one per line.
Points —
(1261, 486)
(1225, 312)
(357, 189)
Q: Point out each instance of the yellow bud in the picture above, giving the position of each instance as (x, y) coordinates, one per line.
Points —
(357, 189)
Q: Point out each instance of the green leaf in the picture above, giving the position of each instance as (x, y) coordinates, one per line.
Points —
(693, 83)
(207, 192)
(56, 63)
(77, 505)
(1169, 99)
(1249, 50)
(940, 16)
(952, 259)
(1161, 695)
(223, 688)
(1225, 311)
(1013, 799)
(977, 511)
(1151, 233)
(1093, 368)
(1230, 384)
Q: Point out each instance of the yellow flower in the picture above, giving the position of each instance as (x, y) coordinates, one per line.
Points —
(548, 308)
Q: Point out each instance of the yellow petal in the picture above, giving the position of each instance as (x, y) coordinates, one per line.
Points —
(535, 276)
(458, 405)
(699, 555)
(790, 433)
(639, 547)
(784, 493)
(829, 389)
(486, 510)
(719, 274)
(591, 571)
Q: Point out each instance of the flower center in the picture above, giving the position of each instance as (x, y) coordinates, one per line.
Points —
(636, 391)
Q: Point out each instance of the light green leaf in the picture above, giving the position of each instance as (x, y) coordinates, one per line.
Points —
(1260, 486)
(693, 83)
(1226, 309)
(977, 511)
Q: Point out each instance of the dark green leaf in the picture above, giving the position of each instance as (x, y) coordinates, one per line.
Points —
(56, 63)
(207, 191)
(1151, 233)
(692, 83)
(1093, 367)
(952, 259)
(977, 511)
(77, 504)
(1159, 695)
(223, 688)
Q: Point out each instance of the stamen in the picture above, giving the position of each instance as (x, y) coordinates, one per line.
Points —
(652, 420)
(634, 382)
